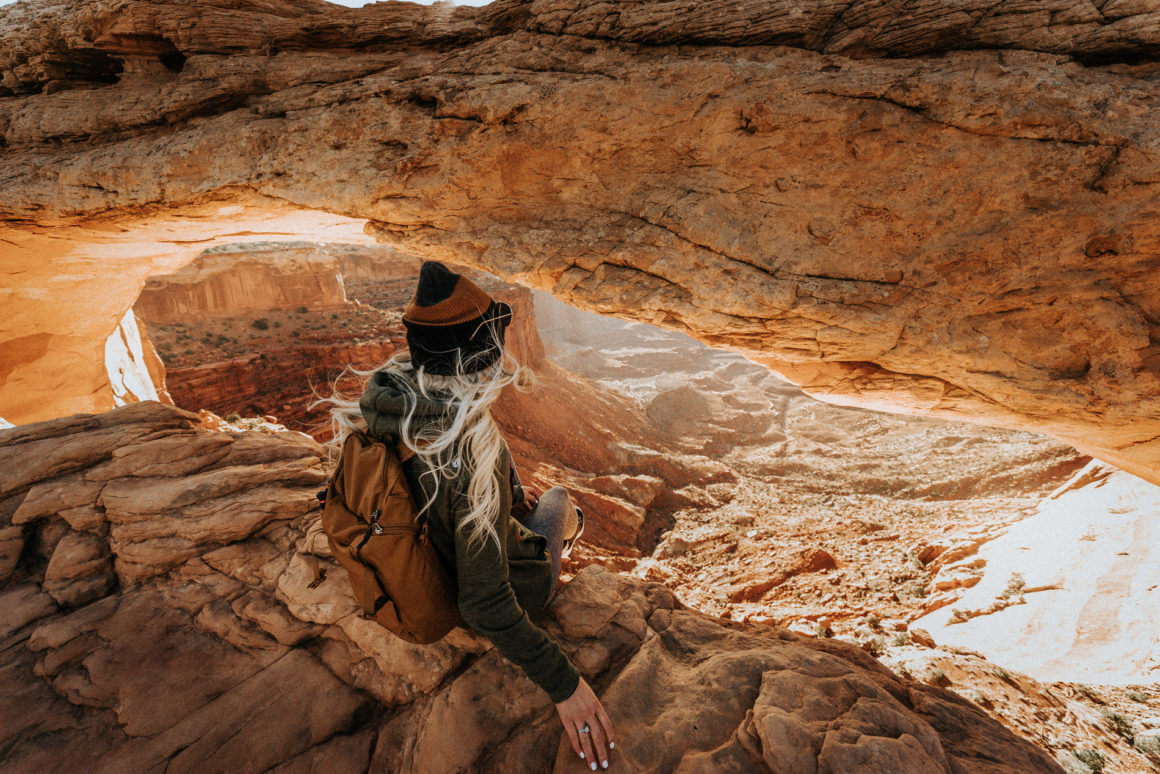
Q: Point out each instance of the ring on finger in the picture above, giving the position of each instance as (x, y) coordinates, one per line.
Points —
(586, 729)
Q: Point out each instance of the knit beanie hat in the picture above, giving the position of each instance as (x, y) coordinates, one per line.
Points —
(453, 326)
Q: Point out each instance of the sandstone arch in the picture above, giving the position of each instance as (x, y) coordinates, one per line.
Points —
(951, 211)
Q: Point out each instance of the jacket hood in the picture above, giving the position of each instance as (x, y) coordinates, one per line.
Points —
(387, 399)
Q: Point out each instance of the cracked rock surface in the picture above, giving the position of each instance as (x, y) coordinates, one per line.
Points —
(221, 656)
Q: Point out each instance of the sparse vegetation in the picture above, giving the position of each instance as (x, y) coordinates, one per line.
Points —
(980, 698)
(1093, 759)
(261, 324)
(1120, 724)
(901, 639)
(1001, 673)
(233, 416)
(875, 646)
(1088, 692)
(1139, 696)
(1149, 745)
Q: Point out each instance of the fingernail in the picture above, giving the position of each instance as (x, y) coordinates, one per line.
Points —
(604, 764)
(611, 745)
(581, 755)
(594, 765)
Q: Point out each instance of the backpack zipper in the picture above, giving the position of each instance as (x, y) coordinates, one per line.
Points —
(374, 528)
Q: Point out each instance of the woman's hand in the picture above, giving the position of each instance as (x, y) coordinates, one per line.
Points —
(583, 710)
(531, 497)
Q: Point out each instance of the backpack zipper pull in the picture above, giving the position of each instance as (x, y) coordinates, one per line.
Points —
(376, 528)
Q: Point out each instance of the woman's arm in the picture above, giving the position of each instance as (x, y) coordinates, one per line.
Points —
(488, 604)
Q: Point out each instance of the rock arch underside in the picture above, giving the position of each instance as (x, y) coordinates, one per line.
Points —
(948, 208)
(939, 207)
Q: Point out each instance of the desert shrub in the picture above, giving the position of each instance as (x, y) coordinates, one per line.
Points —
(277, 324)
(875, 646)
(1149, 745)
(1120, 724)
(261, 323)
(1001, 673)
(1139, 696)
(302, 310)
(233, 416)
(1093, 759)
(1088, 691)
(900, 639)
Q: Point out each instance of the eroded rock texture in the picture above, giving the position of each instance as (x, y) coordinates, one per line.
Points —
(946, 209)
(161, 618)
(225, 283)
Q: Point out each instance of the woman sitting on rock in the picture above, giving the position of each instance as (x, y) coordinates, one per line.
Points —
(436, 400)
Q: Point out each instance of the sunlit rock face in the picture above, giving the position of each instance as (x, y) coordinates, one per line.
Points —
(164, 617)
(135, 371)
(222, 283)
(948, 214)
(65, 298)
(1069, 593)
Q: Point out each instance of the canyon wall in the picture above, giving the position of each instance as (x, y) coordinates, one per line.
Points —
(951, 212)
(241, 280)
(158, 612)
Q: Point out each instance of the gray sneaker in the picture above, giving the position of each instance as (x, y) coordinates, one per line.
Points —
(567, 547)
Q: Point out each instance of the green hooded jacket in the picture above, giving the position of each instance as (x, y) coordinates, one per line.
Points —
(498, 585)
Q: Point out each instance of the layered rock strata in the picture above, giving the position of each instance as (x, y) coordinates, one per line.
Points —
(226, 283)
(948, 212)
(208, 646)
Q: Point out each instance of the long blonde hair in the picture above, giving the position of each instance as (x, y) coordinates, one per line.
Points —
(466, 435)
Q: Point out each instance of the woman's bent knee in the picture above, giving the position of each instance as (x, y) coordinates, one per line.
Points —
(557, 496)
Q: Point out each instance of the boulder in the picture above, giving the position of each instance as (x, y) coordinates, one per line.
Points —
(224, 657)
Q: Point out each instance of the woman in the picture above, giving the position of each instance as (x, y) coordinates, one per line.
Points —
(436, 399)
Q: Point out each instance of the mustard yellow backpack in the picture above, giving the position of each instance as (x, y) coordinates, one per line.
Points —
(375, 531)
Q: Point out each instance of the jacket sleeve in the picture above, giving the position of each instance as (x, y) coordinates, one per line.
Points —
(489, 605)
